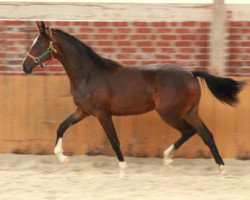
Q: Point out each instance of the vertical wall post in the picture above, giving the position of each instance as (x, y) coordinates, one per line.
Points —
(218, 38)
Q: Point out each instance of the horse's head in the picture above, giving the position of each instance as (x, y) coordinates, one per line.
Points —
(41, 49)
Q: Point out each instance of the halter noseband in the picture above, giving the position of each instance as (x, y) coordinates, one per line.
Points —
(49, 50)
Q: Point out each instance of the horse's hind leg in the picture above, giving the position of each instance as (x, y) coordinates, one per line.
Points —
(77, 116)
(187, 131)
(207, 137)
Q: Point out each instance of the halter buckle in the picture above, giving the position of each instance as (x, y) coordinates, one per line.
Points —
(51, 47)
(36, 60)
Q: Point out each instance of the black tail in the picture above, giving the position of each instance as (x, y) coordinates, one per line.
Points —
(224, 89)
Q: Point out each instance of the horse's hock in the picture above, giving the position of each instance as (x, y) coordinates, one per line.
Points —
(33, 107)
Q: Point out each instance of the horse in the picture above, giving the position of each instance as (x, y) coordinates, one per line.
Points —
(104, 88)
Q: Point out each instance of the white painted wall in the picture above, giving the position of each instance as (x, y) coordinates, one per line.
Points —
(105, 11)
(117, 1)
(119, 11)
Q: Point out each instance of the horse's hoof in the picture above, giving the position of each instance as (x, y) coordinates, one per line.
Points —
(222, 169)
(64, 159)
(123, 165)
(167, 162)
(122, 174)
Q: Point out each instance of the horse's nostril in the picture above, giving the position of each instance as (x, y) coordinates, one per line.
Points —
(24, 67)
(26, 70)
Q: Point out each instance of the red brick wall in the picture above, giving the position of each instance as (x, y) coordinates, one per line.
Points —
(238, 48)
(132, 43)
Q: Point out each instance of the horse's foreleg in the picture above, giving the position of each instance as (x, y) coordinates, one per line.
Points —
(187, 132)
(108, 126)
(77, 116)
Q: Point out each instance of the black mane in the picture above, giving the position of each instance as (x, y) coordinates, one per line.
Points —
(97, 59)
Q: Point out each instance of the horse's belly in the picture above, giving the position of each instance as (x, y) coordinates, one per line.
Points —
(132, 107)
(122, 112)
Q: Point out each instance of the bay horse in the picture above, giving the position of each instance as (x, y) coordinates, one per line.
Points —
(102, 88)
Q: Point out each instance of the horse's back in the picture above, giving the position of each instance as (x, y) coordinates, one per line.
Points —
(170, 77)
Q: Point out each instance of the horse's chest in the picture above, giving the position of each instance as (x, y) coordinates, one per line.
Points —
(88, 97)
(81, 97)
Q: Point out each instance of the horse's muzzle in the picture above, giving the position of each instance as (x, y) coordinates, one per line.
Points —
(26, 69)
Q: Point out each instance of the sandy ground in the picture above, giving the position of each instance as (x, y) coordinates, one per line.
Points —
(97, 177)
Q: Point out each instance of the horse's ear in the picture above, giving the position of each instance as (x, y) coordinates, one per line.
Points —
(42, 28)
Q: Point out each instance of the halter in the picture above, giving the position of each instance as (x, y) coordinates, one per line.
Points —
(49, 50)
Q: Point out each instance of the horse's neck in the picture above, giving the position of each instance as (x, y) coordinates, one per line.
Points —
(75, 63)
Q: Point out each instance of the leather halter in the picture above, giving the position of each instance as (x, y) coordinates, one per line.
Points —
(49, 50)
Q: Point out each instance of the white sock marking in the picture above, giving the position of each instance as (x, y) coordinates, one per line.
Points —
(222, 169)
(59, 152)
(168, 153)
(122, 165)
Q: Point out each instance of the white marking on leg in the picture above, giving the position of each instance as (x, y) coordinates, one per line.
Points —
(169, 151)
(222, 169)
(123, 166)
(168, 154)
(59, 152)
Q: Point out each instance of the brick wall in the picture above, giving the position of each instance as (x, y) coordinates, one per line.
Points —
(238, 48)
(132, 43)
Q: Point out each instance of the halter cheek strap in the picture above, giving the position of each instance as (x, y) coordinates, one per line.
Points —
(36, 60)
